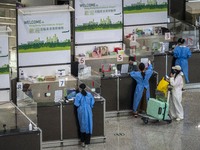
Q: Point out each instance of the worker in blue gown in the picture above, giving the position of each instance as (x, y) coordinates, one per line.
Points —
(181, 54)
(84, 101)
(142, 90)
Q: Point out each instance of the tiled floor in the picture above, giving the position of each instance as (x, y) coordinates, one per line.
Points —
(129, 133)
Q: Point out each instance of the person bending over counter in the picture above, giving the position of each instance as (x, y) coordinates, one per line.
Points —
(142, 91)
(84, 101)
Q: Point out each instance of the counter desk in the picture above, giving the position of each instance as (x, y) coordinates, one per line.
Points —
(119, 92)
(40, 88)
(96, 63)
(59, 123)
(163, 63)
(58, 119)
(14, 130)
(20, 140)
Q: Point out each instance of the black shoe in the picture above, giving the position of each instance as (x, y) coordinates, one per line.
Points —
(135, 114)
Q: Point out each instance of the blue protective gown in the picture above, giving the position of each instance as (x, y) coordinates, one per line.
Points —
(141, 84)
(182, 53)
(84, 111)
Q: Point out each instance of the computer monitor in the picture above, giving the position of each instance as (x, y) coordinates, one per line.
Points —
(172, 45)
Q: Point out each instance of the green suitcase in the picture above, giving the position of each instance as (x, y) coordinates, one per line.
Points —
(158, 109)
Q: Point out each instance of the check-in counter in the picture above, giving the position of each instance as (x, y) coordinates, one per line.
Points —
(59, 123)
(95, 63)
(48, 118)
(119, 92)
(15, 132)
(109, 90)
(40, 88)
(20, 140)
(163, 63)
(70, 121)
(58, 119)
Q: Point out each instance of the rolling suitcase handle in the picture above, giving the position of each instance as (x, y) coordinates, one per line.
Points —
(168, 93)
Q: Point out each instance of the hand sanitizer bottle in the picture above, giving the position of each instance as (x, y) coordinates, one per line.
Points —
(30, 127)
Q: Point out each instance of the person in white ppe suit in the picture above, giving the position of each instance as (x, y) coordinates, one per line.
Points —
(176, 81)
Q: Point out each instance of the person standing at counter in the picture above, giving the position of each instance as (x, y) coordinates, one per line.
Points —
(181, 54)
(142, 91)
(84, 101)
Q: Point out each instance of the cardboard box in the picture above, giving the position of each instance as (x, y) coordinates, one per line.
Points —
(50, 78)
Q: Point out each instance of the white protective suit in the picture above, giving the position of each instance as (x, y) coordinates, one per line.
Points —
(175, 107)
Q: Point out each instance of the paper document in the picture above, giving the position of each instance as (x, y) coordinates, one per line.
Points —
(145, 61)
(58, 95)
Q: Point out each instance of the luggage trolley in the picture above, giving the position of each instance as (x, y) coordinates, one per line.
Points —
(157, 109)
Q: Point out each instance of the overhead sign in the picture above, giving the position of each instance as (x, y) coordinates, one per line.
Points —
(44, 38)
(96, 18)
(137, 12)
(3, 44)
(4, 62)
